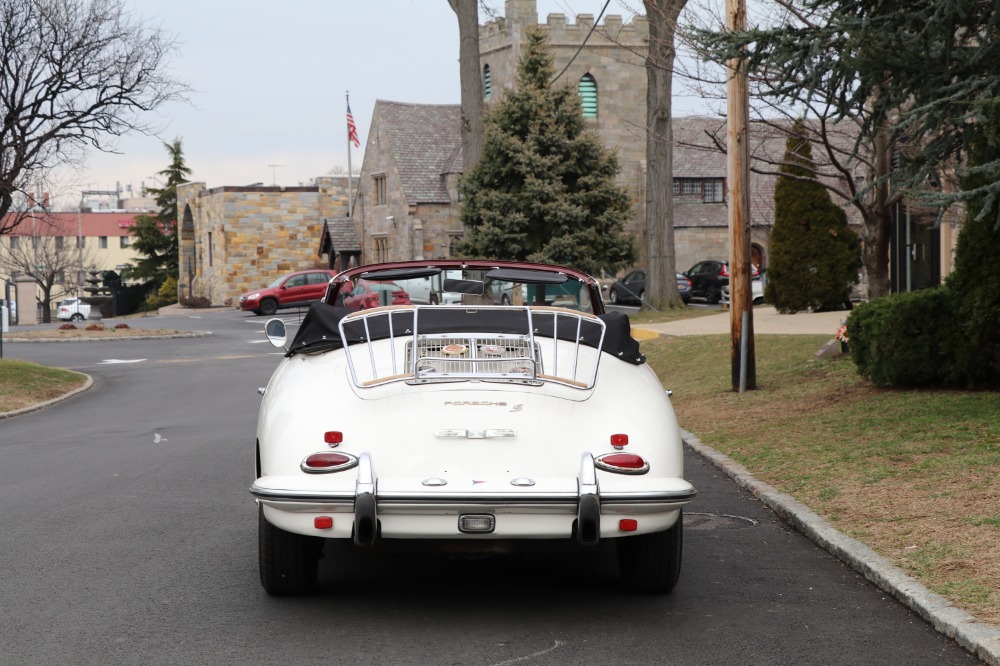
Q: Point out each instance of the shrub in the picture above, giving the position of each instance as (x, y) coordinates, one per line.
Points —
(906, 340)
(122, 325)
(67, 327)
(196, 302)
(95, 327)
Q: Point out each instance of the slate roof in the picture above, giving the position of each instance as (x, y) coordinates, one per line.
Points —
(426, 142)
(340, 234)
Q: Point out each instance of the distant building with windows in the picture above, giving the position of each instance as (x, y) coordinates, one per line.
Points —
(65, 245)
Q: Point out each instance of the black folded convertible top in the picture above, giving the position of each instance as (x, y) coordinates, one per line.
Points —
(320, 332)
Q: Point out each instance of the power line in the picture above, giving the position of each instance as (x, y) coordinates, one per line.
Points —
(585, 40)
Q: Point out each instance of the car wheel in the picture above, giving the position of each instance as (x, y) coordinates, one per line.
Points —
(76, 316)
(759, 300)
(642, 295)
(288, 562)
(651, 563)
(614, 297)
(268, 307)
(714, 295)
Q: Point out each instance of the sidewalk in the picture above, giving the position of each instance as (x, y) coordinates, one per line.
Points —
(766, 321)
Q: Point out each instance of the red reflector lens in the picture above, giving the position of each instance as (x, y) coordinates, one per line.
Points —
(333, 437)
(625, 525)
(619, 440)
(622, 463)
(323, 522)
(327, 460)
(625, 460)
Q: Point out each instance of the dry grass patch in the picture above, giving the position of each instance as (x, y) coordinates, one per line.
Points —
(25, 384)
(913, 474)
(82, 333)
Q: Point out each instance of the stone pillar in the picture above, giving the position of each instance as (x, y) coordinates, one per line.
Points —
(27, 300)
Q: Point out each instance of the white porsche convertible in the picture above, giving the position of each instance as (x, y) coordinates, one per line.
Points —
(519, 410)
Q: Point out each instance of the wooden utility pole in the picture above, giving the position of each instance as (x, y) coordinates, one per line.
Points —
(744, 367)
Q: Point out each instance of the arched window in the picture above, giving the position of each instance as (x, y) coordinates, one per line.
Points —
(487, 82)
(587, 89)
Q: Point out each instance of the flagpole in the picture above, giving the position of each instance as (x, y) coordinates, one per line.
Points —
(350, 182)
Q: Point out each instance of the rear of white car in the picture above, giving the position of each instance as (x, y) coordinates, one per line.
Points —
(73, 309)
(530, 423)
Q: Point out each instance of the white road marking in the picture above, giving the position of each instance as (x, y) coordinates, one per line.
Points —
(110, 361)
(557, 645)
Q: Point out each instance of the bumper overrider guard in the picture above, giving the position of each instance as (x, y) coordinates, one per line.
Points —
(368, 504)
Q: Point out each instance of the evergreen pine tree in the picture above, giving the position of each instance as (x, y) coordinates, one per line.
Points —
(544, 188)
(155, 236)
(814, 254)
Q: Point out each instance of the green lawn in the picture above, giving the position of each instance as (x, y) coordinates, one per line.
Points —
(913, 474)
(24, 384)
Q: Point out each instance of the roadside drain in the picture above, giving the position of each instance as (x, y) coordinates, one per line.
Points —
(716, 521)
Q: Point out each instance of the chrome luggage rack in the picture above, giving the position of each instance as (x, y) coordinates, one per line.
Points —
(421, 344)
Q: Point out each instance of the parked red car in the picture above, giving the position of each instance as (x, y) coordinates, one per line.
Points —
(288, 291)
(367, 294)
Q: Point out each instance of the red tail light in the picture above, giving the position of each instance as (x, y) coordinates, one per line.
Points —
(622, 463)
(321, 463)
(618, 441)
(724, 272)
(625, 524)
(323, 522)
(333, 437)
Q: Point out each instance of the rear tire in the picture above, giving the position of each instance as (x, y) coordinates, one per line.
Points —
(268, 307)
(288, 562)
(614, 297)
(76, 316)
(651, 563)
(714, 295)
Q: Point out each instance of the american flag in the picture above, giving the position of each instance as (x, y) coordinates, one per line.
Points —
(352, 129)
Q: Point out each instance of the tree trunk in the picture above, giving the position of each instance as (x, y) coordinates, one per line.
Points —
(661, 285)
(878, 225)
(467, 12)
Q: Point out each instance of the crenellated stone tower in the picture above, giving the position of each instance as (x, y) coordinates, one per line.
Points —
(607, 68)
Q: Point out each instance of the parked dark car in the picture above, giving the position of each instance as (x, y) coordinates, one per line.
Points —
(632, 288)
(288, 291)
(708, 278)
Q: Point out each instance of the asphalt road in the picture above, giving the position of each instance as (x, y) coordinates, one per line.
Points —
(128, 537)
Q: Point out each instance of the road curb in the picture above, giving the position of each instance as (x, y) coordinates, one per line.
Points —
(42, 405)
(980, 639)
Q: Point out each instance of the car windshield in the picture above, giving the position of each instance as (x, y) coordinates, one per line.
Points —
(276, 283)
(486, 287)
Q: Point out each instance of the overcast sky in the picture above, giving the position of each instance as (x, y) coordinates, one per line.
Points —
(269, 79)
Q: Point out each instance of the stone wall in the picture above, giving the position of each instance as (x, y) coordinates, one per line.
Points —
(245, 237)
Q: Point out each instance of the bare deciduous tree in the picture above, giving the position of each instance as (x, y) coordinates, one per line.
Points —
(661, 286)
(44, 247)
(467, 12)
(75, 74)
